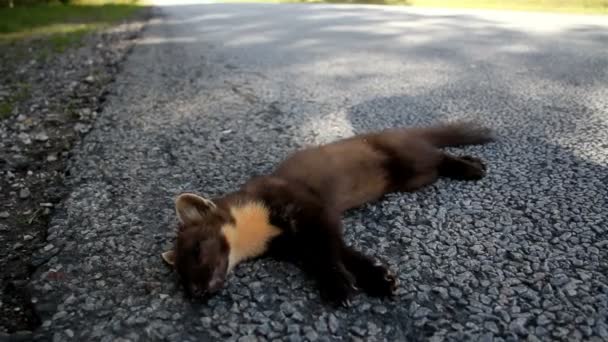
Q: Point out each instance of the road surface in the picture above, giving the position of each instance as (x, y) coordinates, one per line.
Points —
(215, 93)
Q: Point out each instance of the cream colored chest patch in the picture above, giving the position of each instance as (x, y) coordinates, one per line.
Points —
(249, 236)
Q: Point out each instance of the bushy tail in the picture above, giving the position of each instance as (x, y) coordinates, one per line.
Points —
(458, 134)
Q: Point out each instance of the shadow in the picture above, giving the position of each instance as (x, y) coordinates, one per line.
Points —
(531, 211)
(214, 94)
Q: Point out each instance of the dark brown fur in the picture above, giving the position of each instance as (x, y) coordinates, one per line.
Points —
(307, 194)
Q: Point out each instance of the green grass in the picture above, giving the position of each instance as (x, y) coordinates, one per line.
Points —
(63, 24)
(21, 94)
(561, 6)
(6, 108)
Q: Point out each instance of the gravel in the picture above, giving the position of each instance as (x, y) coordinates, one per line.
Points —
(43, 100)
(215, 93)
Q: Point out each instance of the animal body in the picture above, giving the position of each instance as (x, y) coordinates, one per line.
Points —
(294, 213)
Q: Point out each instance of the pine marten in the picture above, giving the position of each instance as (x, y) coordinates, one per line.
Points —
(294, 213)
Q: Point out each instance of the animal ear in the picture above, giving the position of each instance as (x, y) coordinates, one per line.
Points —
(191, 208)
(169, 257)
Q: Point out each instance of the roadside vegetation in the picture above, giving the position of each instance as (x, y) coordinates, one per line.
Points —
(63, 23)
(57, 60)
(40, 28)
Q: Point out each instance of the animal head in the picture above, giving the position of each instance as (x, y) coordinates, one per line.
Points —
(201, 252)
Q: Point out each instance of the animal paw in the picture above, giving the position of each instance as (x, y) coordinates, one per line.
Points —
(337, 287)
(474, 160)
(379, 282)
(476, 167)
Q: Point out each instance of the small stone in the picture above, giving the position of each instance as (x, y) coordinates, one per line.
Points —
(560, 332)
(559, 280)
(543, 320)
(490, 325)
(422, 312)
(206, 322)
(602, 330)
(293, 329)
(41, 136)
(81, 128)
(381, 309)
(4, 214)
(487, 337)
(59, 315)
(277, 326)
(89, 79)
(225, 330)
(477, 249)
(17, 245)
(455, 293)
(441, 291)
(27, 237)
(70, 300)
(294, 338)
(264, 329)
(297, 316)
(312, 335)
(518, 326)
(358, 330)
(321, 326)
(287, 308)
(373, 328)
(25, 138)
(333, 324)
(85, 112)
(51, 157)
(24, 193)
(69, 332)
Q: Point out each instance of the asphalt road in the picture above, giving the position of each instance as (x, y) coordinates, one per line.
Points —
(213, 94)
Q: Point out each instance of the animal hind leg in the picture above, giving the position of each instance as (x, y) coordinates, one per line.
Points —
(461, 167)
(414, 167)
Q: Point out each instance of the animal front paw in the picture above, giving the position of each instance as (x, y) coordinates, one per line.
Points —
(337, 286)
(476, 161)
(379, 281)
(476, 168)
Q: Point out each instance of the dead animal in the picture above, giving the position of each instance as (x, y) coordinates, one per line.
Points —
(294, 213)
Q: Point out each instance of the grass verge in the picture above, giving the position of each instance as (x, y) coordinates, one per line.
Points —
(7, 104)
(64, 25)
